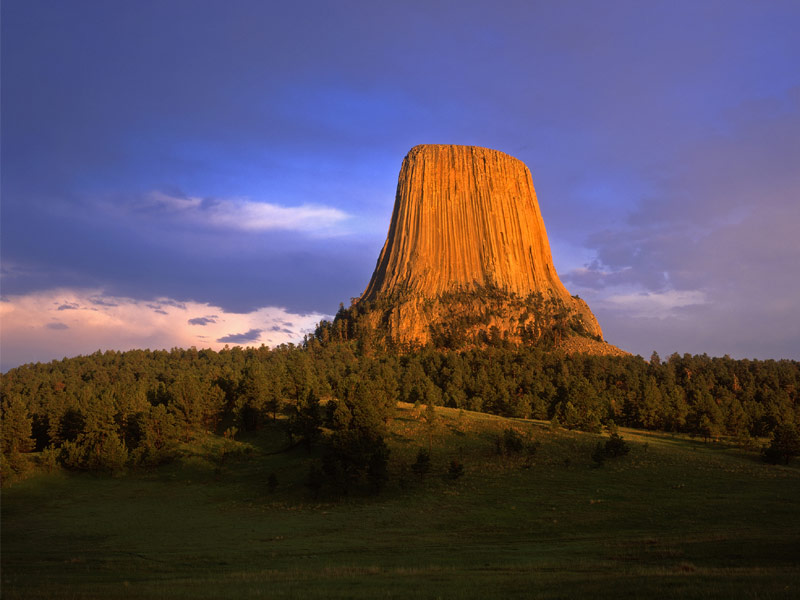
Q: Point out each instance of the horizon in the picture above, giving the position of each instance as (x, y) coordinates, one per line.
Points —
(186, 174)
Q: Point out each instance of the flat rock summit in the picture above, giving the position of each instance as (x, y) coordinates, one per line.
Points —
(467, 260)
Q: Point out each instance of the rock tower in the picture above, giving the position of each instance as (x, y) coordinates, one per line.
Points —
(467, 259)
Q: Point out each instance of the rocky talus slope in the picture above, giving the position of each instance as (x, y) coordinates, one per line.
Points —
(467, 257)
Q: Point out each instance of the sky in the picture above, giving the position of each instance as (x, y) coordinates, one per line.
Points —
(200, 173)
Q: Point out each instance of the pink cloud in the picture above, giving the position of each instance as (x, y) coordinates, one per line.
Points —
(35, 327)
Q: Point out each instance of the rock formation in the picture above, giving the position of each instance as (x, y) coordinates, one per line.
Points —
(467, 257)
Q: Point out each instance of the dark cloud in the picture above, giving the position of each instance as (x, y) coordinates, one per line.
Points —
(102, 302)
(57, 325)
(282, 329)
(241, 338)
(173, 303)
(68, 306)
(157, 308)
(203, 320)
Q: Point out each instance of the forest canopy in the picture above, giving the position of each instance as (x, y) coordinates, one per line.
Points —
(113, 409)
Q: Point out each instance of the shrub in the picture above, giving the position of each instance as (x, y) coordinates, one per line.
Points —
(423, 463)
(614, 447)
(455, 470)
(510, 442)
(599, 454)
(95, 451)
(784, 446)
(48, 459)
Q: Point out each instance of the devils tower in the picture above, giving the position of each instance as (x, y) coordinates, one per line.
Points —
(467, 258)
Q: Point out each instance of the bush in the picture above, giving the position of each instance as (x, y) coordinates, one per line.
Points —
(510, 442)
(95, 451)
(48, 459)
(423, 463)
(455, 470)
(785, 445)
(614, 447)
(599, 454)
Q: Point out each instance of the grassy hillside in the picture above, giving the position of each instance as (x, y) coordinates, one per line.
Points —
(674, 518)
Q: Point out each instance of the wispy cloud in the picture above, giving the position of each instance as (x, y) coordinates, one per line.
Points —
(659, 305)
(706, 257)
(246, 214)
(282, 329)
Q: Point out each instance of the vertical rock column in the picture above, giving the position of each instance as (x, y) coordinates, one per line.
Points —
(466, 218)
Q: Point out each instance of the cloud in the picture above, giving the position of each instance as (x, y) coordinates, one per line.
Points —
(711, 250)
(102, 302)
(173, 303)
(661, 305)
(241, 338)
(643, 166)
(203, 320)
(33, 325)
(705, 328)
(599, 277)
(244, 214)
(281, 329)
(68, 306)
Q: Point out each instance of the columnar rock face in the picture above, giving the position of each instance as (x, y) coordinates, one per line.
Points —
(465, 217)
(466, 233)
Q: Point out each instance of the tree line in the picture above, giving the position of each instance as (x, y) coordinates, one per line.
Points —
(111, 409)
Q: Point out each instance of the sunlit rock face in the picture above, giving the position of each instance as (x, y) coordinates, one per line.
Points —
(466, 252)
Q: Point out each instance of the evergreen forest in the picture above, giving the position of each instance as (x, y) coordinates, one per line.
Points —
(111, 411)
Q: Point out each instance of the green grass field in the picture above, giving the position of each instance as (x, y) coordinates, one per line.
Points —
(676, 518)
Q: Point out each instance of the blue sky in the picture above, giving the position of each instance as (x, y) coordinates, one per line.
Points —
(238, 160)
